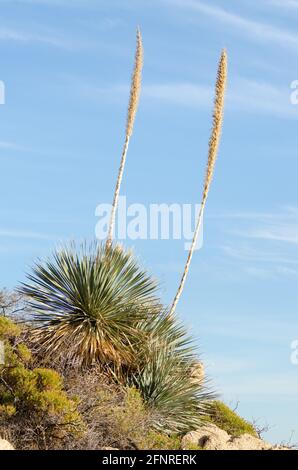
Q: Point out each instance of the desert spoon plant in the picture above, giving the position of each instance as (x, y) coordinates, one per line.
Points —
(132, 109)
(213, 149)
(87, 303)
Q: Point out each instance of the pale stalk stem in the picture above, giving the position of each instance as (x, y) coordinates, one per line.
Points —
(116, 194)
(189, 257)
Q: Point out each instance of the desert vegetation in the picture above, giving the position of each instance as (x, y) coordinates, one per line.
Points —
(93, 359)
(59, 404)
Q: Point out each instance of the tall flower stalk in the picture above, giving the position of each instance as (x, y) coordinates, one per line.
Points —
(212, 154)
(131, 114)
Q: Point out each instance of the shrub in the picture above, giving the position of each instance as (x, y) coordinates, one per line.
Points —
(8, 329)
(131, 417)
(87, 305)
(34, 408)
(97, 307)
(229, 421)
(176, 401)
(115, 417)
(137, 422)
(154, 440)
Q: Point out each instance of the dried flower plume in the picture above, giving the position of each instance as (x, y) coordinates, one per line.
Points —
(135, 90)
(212, 154)
(135, 86)
(217, 120)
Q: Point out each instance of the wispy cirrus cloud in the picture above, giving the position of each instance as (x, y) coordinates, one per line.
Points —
(69, 3)
(252, 96)
(285, 4)
(24, 234)
(46, 36)
(283, 212)
(252, 254)
(272, 272)
(11, 146)
(242, 95)
(262, 265)
(261, 244)
(255, 30)
(52, 39)
(287, 211)
(284, 233)
(281, 232)
(276, 226)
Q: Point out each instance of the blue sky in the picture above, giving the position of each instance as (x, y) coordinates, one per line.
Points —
(66, 66)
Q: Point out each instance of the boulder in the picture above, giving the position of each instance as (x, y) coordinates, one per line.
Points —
(207, 437)
(5, 445)
(210, 437)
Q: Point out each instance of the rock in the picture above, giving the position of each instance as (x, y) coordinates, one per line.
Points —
(5, 445)
(210, 437)
(207, 437)
(248, 442)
